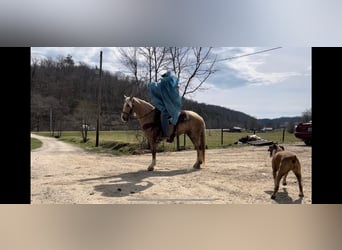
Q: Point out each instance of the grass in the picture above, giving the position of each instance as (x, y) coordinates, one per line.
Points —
(113, 142)
(275, 136)
(35, 143)
(133, 141)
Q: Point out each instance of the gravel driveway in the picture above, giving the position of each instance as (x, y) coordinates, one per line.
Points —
(65, 174)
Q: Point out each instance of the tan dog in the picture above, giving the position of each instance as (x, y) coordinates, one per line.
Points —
(282, 162)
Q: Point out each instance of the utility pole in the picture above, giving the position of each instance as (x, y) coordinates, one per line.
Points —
(50, 121)
(98, 104)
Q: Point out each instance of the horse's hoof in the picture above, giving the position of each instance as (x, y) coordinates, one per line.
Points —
(150, 169)
(197, 167)
(273, 197)
(301, 195)
(284, 184)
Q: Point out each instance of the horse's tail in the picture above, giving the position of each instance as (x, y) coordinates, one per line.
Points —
(203, 144)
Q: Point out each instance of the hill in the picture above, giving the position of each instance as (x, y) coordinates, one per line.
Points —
(64, 96)
(279, 122)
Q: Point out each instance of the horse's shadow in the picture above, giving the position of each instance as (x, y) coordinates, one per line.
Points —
(129, 183)
(282, 197)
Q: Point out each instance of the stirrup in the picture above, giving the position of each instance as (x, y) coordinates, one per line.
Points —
(173, 133)
(161, 138)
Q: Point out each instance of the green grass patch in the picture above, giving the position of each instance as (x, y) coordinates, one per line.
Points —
(133, 141)
(275, 136)
(35, 143)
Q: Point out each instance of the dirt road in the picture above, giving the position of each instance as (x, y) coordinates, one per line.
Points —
(64, 174)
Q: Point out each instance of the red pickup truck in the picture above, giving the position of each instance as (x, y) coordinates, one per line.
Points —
(303, 131)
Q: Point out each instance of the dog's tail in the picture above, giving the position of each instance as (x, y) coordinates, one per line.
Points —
(294, 159)
(295, 162)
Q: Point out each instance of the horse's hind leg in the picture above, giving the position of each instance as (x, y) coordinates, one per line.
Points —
(196, 142)
(154, 150)
(198, 162)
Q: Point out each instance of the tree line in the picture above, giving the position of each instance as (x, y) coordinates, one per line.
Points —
(69, 93)
(64, 94)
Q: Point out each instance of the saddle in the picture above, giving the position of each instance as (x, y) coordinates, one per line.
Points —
(182, 118)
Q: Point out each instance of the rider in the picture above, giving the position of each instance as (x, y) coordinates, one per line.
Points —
(164, 95)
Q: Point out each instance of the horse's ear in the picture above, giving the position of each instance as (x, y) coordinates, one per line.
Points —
(129, 101)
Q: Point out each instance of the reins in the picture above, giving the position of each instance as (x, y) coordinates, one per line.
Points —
(146, 114)
(129, 113)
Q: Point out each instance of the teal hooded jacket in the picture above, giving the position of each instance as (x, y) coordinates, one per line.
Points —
(165, 97)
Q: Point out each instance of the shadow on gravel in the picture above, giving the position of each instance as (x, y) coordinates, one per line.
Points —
(130, 183)
(282, 197)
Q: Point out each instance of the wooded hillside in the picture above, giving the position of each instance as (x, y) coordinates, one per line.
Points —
(66, 94)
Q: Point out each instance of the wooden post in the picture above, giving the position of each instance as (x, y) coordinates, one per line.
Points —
(283, 134)
(50, 121)
(177, 142)
(221, 136)
(98, 104)
(59, 129)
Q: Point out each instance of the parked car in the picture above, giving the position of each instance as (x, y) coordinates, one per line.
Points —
(303, 131)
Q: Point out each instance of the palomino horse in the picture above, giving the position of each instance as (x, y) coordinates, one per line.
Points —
(193, 126)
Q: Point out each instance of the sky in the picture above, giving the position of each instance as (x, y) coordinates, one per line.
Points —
(271, 84)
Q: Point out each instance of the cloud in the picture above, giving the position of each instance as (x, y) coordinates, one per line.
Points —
(263, 101)
(255, 85)
(251, 71)
(87, 55)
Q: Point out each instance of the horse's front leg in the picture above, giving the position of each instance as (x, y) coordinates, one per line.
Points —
(154, 151)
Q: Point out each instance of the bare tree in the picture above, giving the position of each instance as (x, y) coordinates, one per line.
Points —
(34, 65)
(307, 115)
(144, 63)
(197, 69)
(129, 58)
(179, 59)
(159, 60)
(154, 59)
(85, 114)
(146, 52)
(192, 66)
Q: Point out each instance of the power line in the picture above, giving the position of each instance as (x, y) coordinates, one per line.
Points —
(229, 58)
(249, 54)
(234, 57)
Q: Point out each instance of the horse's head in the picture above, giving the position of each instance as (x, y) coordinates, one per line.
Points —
(127, 109)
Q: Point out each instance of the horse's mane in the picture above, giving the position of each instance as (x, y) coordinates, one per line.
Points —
(143, 102)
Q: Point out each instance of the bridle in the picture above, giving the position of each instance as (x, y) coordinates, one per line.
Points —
(131, 110)
(128, 114)
(149, 112)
